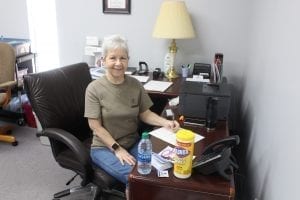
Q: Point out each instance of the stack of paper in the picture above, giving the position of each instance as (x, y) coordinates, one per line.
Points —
(159, 86)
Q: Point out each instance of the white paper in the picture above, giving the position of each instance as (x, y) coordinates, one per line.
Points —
(198, 78)
(170, 137)
(159, 86)
(142, 79)
(116, 4)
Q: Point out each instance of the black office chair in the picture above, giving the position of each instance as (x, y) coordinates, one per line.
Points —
(57, 98)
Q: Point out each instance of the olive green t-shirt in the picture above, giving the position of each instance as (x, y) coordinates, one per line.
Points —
(117, 107)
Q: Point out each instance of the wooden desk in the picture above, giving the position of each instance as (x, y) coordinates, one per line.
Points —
(160, 99)
(198, 186)
(172, 91)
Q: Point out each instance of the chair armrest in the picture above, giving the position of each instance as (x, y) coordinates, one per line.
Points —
(75, 145)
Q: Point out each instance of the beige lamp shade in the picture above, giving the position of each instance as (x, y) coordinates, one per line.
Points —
(173, 21)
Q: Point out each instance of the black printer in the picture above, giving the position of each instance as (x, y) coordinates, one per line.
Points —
(194, 98)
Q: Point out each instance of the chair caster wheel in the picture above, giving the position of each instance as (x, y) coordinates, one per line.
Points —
(15, 143)
(21, 122)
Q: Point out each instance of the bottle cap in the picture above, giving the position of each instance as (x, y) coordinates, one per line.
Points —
(145, 135)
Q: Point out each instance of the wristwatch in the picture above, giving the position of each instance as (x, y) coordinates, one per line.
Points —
(115, 146)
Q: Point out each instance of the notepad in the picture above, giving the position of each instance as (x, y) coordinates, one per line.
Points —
(159, 86)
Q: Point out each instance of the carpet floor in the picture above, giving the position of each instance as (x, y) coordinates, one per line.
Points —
(28, 171)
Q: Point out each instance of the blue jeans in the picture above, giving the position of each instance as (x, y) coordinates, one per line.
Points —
(104, 158)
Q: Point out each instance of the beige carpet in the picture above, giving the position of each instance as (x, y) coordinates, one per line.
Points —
(28, 171)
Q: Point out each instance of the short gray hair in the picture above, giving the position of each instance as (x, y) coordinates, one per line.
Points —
(114, 42)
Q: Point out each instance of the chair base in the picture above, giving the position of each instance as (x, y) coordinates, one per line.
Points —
(5, 137)
(112, 194)
(89, 192)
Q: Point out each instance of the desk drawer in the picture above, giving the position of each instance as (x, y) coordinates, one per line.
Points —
(142, 190)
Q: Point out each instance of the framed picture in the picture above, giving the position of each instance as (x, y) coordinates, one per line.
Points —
(116, 6)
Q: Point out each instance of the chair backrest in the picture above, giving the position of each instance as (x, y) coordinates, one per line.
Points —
(57, 97)
(7, 64)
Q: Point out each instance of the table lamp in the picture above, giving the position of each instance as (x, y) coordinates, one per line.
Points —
(173, 22)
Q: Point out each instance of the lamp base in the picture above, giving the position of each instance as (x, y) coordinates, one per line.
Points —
(171, 73)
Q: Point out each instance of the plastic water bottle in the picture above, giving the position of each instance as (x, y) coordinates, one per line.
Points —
(144, 154)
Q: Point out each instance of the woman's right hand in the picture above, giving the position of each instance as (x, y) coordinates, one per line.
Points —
(123, 155)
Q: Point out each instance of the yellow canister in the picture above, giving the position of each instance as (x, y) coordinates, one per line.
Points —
(184, 153)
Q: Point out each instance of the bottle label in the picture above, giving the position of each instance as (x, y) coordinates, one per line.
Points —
(145, 158)
(181, 152)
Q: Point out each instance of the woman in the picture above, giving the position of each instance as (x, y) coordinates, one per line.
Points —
(114, 104)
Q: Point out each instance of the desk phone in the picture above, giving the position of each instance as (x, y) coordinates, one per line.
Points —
(217, 157)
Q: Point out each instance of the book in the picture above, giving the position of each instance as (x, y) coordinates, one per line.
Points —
(159, 163)
(168, 154)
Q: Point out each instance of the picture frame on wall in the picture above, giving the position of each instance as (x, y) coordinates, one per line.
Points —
(116, 6)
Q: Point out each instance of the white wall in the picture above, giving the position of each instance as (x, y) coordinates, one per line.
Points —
(219, 25)
(271, 100)
(13, 19)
